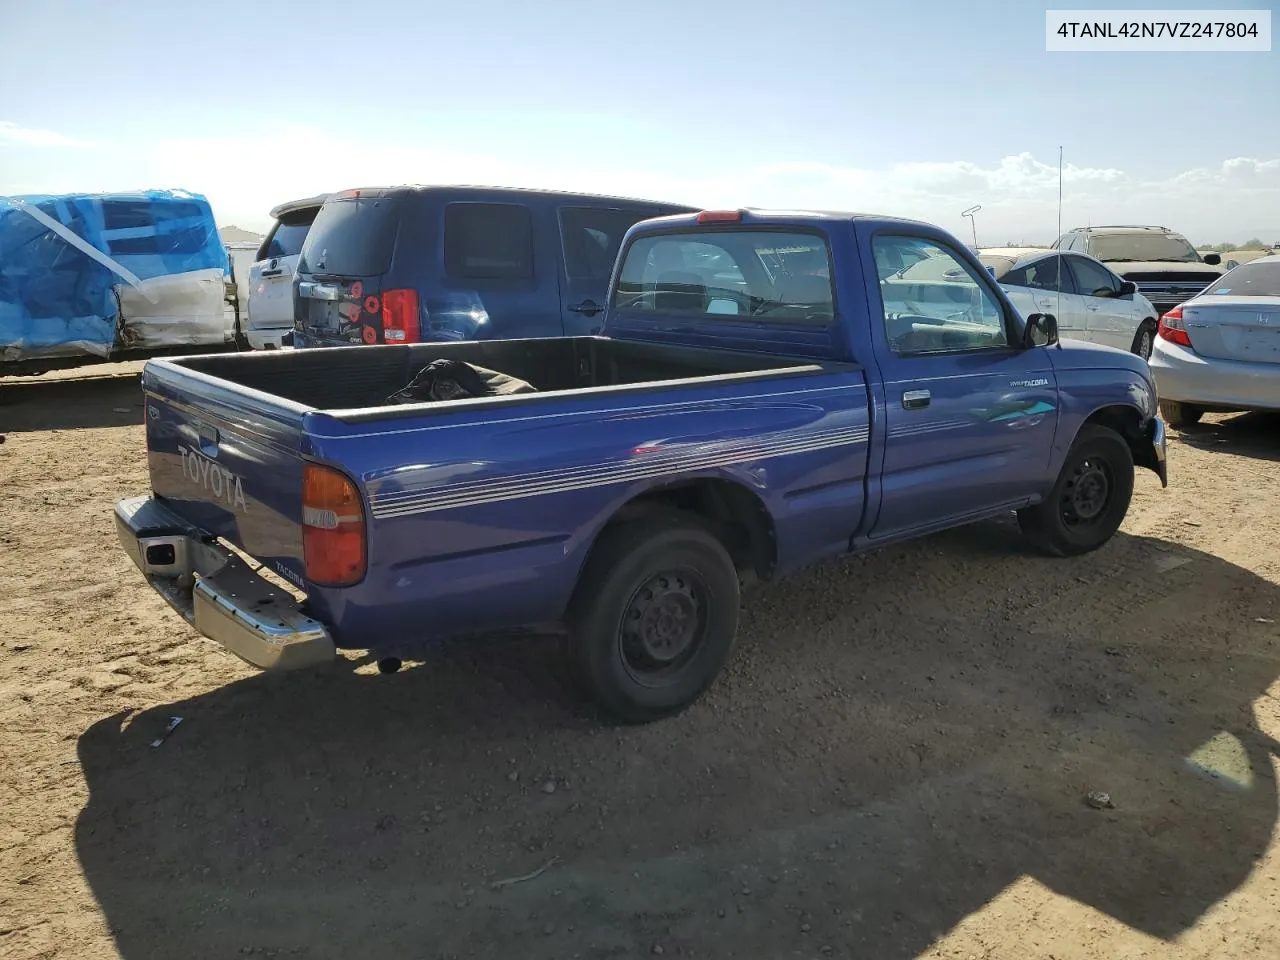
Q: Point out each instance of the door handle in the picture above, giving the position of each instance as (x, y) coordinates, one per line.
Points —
(272, 273)
(587, 307)
(915, 399)
(1092, 309)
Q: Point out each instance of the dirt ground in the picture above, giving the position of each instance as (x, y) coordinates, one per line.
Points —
(895, 765)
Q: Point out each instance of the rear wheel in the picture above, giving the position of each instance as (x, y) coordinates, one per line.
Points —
(1179, 414)
(1090, 498)
(653, 618)
(1144, 340)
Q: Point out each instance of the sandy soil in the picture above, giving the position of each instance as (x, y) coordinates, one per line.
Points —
(895, 766)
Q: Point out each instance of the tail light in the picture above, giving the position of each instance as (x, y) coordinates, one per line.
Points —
(333, 529)
(400, 316)
(1173, 329)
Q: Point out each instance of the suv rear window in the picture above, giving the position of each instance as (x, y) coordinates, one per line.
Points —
(488, 241)
(751, 274)
(288, 235)
(352, 237)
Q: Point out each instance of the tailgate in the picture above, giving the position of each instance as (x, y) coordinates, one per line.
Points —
(271, 294)
(227, 459)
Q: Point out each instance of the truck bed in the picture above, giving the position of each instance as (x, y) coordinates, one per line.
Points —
(349, 378)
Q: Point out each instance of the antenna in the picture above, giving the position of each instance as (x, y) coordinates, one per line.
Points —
(973, 222)
(1060, 263)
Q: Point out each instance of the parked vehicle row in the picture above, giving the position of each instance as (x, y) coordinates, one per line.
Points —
(767, 390)
(1162, 263)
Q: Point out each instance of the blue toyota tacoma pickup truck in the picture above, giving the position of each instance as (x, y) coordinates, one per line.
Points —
(769, 389)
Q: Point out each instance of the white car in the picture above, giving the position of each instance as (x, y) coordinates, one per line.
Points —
(1221, 349)
(270, 301)
(1090, 303)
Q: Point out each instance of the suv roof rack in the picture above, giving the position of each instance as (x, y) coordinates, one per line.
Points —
(1126, 226)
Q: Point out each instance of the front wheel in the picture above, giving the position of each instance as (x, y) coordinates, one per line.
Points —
(653, 618)
(1088, 501)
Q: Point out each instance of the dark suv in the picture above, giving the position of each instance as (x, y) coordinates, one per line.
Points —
(1163, 264)
(416, 264)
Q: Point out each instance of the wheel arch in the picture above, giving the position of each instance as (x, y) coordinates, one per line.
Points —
(1130, 423)
(733, 512)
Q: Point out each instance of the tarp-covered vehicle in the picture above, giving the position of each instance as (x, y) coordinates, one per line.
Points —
(92, 277)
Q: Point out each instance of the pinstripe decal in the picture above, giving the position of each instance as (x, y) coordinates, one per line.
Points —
(662, 462)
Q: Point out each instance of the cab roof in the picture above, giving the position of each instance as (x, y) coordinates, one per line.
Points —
(757, 216)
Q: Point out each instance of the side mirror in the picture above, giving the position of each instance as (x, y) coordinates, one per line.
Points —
(1232, 264)
(1128, 288)
(1212, 259)
(1041, 331)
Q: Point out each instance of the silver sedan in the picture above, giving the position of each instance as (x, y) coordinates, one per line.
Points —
(1220, 350)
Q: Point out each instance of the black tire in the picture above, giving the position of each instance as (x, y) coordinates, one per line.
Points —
(1145, 339)
(1090, 498)
(653, 617)
(1179, 414)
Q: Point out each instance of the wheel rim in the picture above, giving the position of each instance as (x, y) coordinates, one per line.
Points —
(1144, 344)
(1087, 492)
(663, 625)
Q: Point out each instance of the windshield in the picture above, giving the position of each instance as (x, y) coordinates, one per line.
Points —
(1248, 280)
(1168, 247)
(351, 238)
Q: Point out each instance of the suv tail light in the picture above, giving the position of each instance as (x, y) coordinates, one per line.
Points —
(1173, 329)
(333, 529)
(400, 316)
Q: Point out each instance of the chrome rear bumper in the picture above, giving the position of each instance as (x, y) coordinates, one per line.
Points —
(217, 592)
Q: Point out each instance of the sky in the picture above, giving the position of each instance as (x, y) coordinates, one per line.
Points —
(918, 108)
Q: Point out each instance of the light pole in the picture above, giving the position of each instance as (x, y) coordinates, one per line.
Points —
(973, 222)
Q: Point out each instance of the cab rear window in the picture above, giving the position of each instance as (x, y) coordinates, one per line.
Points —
(352, 238)
(749, 274)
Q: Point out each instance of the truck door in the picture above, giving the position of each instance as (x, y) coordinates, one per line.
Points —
(970, 415)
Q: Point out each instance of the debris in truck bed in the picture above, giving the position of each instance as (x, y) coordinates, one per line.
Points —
(455, 380)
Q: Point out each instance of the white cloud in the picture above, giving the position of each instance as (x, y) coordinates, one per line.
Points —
(244, 177)
(11, 132)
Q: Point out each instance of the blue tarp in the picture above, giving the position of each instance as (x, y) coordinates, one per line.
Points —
(56, 299)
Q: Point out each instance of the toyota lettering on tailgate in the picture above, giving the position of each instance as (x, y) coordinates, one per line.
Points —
(216, 480)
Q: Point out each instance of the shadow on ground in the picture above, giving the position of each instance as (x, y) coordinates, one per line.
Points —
(900, 737)
(28, 405)
(1254, 435)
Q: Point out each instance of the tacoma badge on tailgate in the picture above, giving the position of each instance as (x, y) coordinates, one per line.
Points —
(217, 480)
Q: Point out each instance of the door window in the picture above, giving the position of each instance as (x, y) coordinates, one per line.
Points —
(488, 241)
(591, 237)
(1044, 274)
(937, 304)
(288, 235)
(1094, 280)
